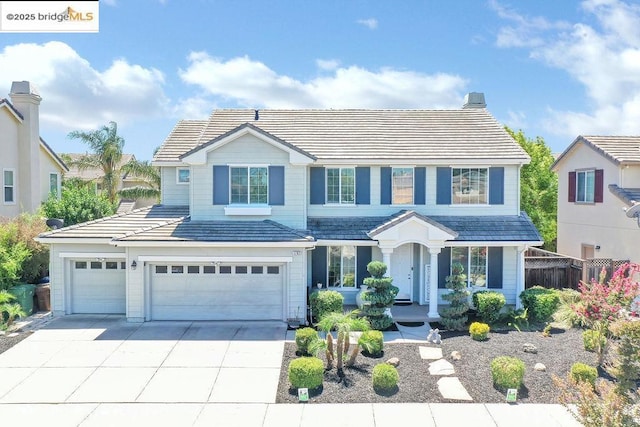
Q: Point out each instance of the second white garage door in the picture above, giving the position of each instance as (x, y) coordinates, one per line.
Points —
(216, 292)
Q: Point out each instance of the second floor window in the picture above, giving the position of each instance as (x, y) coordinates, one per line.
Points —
(183, 175)
(53, 184)
(402, 186)
(341, 185)
(9, 187)
(585, 186)
(249, 185)
(470, 186)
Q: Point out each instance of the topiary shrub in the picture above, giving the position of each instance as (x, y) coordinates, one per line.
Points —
(488, 305)
(581, 372)
(593, 340)
(385, 377)
(454, 317)
(507, 372)
(305, 337)
(306, 372)
(325, 302)
(540, 302)
(479, 331)
(380, 296)
(372, 342)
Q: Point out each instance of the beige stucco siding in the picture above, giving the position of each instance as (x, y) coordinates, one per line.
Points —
(9, 160)
(47, 167)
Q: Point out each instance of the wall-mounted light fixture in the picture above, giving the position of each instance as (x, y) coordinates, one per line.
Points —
(597, 247)
(134, 264)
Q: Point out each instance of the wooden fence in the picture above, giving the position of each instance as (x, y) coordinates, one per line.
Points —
(552, 270)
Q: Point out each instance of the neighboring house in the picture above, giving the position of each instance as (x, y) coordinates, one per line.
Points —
(258, 207)
(95, 175)
(598, 179)
(31, 170)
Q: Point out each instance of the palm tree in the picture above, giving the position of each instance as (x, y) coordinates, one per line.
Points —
(106, 146)
(145, 172)
(344, 323)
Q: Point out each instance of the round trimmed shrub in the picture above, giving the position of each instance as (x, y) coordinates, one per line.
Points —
(304, 338)
(372, 342)
(540, 303)
(479, 331)
(306, 372)
(323, 302)
(581, 372)
(593, 340)
(507, 372)
(488, 305)
(385, 377)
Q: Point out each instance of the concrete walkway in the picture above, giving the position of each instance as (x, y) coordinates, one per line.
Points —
(102, 371)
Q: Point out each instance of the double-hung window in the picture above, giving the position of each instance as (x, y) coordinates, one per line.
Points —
(469, 186)
(249, 185)
(9, 186)
(341, 185)
(585, 186)
(402, 186)
(53, 184)
(342, 266)
(183, 176)
(474, 262)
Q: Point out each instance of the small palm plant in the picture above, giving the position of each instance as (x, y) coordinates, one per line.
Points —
(344, 323)
(9, 310)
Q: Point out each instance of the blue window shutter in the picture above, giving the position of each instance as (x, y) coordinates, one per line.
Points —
(419, 185)
(385, 186)
(276, 185)
(221, 185)
(444, 267)
(494, 273)
(496, 186)
(363, 186)
(363, 256)
(443, 186)
(316, 191)
(319, 265)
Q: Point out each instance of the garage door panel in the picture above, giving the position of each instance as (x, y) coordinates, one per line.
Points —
(98, 290)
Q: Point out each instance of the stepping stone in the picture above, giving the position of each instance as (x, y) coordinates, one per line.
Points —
(452, 388)
(430, 353)
(441, 367)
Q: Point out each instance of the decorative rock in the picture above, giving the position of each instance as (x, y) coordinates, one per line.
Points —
(13, 334)
(455, 355)
(529, 348)
(540, 367)
(430, 353)
(394, 361)
(434, 336)
(441, 367)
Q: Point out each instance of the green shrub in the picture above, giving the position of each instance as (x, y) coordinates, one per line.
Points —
(306, 372)
(540, 302)
(479, 331)
(304, 338)
(323, 302)
(488, 305)
(566, 313)
(372, 342)
(385, 377)
(581, 372)
(593, 340)
(507, 372)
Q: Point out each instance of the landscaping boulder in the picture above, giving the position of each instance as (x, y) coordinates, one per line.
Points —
(456, 355)
(394, 361)
(529, 348)
(540, 367)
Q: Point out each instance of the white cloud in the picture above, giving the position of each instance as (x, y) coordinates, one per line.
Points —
(604, 56)
(249, 83)
(327, 64)
(75, 95)
(370, 23)
(516, 120)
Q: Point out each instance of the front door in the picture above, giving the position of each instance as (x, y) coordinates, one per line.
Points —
(402, 271)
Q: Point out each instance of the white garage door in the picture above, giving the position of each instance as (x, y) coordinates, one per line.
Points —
(216, 292)
(98, 286)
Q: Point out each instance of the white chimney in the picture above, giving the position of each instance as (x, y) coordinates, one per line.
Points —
(474, 100)
(25, 98)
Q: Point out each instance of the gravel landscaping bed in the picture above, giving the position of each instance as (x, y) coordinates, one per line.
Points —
(557, 353)
(6, 341)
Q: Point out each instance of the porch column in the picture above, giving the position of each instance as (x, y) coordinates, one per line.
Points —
(386, 259)
(519, 274)
(433, 283)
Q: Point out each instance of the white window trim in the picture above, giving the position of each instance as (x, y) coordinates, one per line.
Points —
(413, 186)
(585, 171)
(326, 186)
(242, 207)
(58, 184)
(13, 186)
(178, 182)
(355, 274)
(241, 210)
(475, 205)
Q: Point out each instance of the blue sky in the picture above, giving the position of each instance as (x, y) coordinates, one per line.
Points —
(555, 69)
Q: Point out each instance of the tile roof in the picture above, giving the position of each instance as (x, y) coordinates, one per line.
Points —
(411, 135)
(120, 224)
(618, 149)
(90, 173)
(492, 228)
(627, 195)
(219, 231)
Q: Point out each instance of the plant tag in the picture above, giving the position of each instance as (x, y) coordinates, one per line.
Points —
(303, 394)
(512, 395)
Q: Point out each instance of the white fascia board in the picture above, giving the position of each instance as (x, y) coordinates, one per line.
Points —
(424, 162)
(170, 164)
(323, 242)
(118, 255)
(74, 240)
(497, 244)
(167, 244)
(212, 259)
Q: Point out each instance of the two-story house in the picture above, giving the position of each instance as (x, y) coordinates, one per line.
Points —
(31, 170)
(259, 207)
(598, 181)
